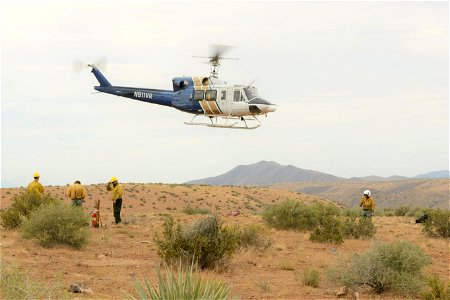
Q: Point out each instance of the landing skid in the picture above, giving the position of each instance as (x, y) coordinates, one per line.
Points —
(234, 125)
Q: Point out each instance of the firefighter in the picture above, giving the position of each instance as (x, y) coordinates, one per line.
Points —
(116, 196)
(35, 186)
(77, 193)
(367, 204)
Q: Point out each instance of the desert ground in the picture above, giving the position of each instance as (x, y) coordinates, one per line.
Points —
(116, 253)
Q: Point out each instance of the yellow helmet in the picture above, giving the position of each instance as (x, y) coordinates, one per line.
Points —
(36, 175)
(113, 179)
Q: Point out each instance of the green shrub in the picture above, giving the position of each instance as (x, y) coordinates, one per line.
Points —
(251, 236)
(401, 211)
(438, 223)
(437, 290)
(351, 212)
(57, 224)
(394, 267)
(184, 285)
(193, 211)
(329, 229)
(207, 242)
(295, 215)
(311, 278)
(358, 228)
(23, 204)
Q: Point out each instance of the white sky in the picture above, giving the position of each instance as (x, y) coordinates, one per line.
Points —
(361, 88)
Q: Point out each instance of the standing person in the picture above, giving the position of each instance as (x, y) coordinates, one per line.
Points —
(35, 186)
(77, 193)
(116, 197)
(368, 204)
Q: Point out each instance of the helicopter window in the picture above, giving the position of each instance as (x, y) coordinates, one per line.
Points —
(223, 95)
(211, 95)
(198, 96)
(237, 95)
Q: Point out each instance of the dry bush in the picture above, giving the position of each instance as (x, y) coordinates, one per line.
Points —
(394, 267)
(207, 242)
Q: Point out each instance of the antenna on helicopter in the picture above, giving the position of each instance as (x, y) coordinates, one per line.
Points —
(216, 58)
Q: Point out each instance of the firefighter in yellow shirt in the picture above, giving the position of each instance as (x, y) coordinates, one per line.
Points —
(116, 196)
(35, 186)
(77, 193)
(367, 204)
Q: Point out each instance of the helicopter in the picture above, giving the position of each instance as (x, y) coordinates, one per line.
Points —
(225, 105)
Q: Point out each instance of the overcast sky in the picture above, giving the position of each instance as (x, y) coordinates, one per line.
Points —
(361, 88)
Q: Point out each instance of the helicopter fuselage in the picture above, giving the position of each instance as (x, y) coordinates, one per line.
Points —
(208, 96)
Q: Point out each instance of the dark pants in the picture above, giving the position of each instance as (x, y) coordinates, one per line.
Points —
(367, 213)
(77, 202)
(117, 207)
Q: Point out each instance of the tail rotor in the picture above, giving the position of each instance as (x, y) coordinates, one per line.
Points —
(79, 65)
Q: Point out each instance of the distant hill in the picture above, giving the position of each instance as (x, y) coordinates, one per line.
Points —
(266, 173)
(379, 178)
(412, 192)
(435, 174)
(425, 190)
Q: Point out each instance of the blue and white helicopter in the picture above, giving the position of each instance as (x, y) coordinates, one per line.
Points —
(225, 105)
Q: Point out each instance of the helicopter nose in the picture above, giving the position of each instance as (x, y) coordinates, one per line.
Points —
(266, 108)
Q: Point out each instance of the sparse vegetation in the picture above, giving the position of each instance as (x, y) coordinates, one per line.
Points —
(394, 267)
(193, 211)
(16, 284)
(186, 284)
(55, 224)
(436, 290)
(207, 242)
(252, 237)
(325, 221)
(311, 278)
(23, 204)
(438, 223)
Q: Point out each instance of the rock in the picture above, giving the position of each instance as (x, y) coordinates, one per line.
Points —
(342, 291)
(79, 288)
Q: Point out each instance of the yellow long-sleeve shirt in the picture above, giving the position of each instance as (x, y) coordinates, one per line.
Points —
(76, 191)
(36, 187)
(117, 191)
(367, 203)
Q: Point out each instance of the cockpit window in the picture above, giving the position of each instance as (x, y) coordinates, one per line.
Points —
(211, 95)
(251, 92)
(198, 96)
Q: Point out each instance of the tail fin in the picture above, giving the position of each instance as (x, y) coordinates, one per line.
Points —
(101, 79)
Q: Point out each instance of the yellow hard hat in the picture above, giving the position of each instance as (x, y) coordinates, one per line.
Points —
(113, 179)
(36, 175)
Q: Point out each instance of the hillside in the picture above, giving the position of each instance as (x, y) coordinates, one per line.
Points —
(116, 254)
(413, 192)
(265, 173)
(427, 191)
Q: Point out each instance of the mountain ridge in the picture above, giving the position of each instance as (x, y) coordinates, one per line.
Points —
(270, 172)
